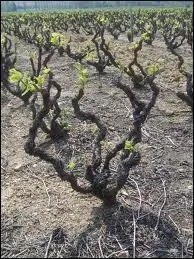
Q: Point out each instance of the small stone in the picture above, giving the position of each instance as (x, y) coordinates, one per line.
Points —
(18, 167)
(123, 254)
(124, 193)
(111, 128)
(185, 162)
(169, 113)
(25, 136)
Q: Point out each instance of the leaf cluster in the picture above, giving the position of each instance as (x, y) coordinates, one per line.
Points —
(25, 82)
(82, 73)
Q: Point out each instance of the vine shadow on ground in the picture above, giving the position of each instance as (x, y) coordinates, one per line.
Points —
(112, 234)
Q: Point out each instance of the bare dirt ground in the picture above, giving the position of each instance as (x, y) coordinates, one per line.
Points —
(36, 206)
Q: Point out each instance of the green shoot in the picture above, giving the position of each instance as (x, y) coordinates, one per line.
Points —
(102, 19)
(71, 165)
(14, 76)
(129, 146)
(3, 39)
(120, 66)
(145, 36)
(82, 73)
(40, 39)
(90, 56)
(57, 39)
(153, 69)
(25, 82)
(94, 129)
(134, 46)
(30, 54)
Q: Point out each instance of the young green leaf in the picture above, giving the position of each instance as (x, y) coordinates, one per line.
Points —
(57, 39)
(133, 46)
(14, 75)
(146, 36)
(46, 71)
(90, 56)
(78, 66)
(83, 74)
(153, 69)
(40, 39)
(40, 80)
(94, 129)
(129, 146)
(3, 40)
(71, 165)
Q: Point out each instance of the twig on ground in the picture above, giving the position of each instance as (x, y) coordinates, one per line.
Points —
(187, 250)
(141, 217)
(174, 224)
(21, 253)
(129, 111)
(147, 255)
(119, 243)
(164, 202)
(157, 200)
(4, 135)
(90, 251)
(59, 253)
(143, 201)
(102, 255)
(49, 201)
(48, 246)
(145, 133)
(3, 168)
(171, 141)
(125, 201)
(134, 234)
(182, 250)
(140, 198)
(117, 252)
(158, 156)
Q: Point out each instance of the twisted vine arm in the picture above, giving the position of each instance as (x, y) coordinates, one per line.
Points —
(129, 159)
(189, 77)
(96, 152)
(31, 148)
(126, 69)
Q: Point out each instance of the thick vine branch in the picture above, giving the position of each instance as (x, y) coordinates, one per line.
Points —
(31, 148)
(189, 77)
(96, 158)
